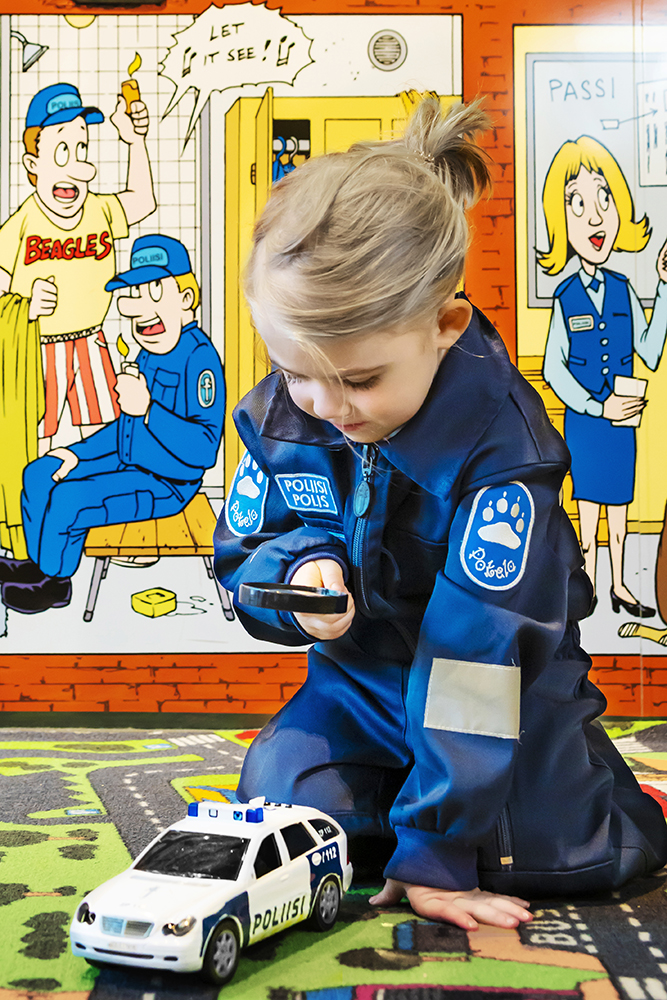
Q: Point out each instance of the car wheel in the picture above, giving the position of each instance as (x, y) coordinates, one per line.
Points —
(327, 905)
(222, 954)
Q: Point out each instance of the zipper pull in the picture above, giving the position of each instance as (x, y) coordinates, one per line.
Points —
(364, 491)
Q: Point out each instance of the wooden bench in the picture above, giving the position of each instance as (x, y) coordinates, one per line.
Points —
(189, 533)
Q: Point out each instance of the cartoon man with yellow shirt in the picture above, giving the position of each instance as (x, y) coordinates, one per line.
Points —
(57, 250)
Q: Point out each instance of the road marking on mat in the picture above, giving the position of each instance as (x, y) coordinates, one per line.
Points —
(195, 738)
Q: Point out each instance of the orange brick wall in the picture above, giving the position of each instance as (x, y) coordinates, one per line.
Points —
(633, 685)
(234, 683)
(244, 683)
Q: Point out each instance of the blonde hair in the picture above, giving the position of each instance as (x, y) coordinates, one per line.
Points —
(566, 164)
(188, 280)
(372, 238)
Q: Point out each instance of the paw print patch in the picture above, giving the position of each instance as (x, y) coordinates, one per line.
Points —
(497, 536)
(244, 509)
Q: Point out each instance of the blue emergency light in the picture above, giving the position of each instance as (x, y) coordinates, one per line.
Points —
(252, 815)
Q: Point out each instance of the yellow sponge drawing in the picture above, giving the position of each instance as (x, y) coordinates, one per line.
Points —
(154, 602)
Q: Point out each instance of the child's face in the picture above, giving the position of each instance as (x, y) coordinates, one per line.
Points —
(62, 169)
(377, 381)
(159, 310)
(592, 216)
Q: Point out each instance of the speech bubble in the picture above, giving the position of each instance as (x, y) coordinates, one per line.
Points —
(234, 46)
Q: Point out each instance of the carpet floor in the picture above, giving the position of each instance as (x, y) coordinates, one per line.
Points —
(77, 805)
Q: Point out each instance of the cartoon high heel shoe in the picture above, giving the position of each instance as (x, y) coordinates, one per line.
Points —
(633, 608)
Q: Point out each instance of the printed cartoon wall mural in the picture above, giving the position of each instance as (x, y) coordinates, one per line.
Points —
(139, 149)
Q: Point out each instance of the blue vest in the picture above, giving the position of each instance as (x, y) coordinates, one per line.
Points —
(600, 346)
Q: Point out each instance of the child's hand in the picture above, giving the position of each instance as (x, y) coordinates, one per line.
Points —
(324, 573)
(465, 909)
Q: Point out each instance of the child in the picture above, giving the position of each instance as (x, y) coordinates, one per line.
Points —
(597, 324)
(148, 463)
(396, 453)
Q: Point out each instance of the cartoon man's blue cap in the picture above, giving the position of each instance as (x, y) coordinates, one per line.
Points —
(153, 258)
(61, 102)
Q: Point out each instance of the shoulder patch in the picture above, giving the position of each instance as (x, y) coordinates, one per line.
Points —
(244, 508)
(206, 388)
(497, 536)
(307, 493)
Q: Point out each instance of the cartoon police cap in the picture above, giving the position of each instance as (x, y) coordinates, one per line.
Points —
(59, 103)
(153, 258)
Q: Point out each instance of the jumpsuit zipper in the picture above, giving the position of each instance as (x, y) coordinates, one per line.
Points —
(504, 831)
(363, 498)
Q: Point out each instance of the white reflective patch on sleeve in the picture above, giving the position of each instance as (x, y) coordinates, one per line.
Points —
(481, 698)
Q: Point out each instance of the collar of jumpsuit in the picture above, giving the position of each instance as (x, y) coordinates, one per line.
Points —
(431, 448)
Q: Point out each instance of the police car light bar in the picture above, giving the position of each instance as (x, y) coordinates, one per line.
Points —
(203, 810)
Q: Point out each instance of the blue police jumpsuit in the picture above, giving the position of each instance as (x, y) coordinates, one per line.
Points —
(603, 456)
(137, 467)
(456, 711)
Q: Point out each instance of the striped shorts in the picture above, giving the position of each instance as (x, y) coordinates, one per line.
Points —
(78, 373)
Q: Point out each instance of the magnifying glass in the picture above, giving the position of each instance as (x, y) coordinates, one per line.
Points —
(286, 597)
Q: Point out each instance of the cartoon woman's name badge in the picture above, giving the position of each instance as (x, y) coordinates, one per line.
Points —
(578, 323)
(497, 536)
(244, 510)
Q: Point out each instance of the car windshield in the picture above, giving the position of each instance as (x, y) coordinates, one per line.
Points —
(195, 855)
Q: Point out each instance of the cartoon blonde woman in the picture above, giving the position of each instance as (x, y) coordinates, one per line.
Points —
(596, 326)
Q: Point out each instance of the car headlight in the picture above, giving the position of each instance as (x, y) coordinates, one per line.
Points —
(85, 915)
(181, 928)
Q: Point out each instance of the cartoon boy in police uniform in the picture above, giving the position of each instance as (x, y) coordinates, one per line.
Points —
(57, 250)
(147, 464)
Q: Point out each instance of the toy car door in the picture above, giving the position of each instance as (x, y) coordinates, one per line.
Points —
(275, 894)
(299, 842)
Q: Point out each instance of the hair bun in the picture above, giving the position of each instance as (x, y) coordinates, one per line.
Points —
(446, 143)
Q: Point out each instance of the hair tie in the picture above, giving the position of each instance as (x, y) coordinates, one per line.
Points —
(427, 157)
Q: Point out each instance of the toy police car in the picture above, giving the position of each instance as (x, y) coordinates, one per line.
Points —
(224, 877)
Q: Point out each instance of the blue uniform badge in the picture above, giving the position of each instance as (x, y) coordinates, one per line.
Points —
(206, 388)
(497, 536)
(306, 493)
(244, 509)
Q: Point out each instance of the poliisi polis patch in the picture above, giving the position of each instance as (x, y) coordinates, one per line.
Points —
(244, 509)
(307, 493)
(497, 536)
